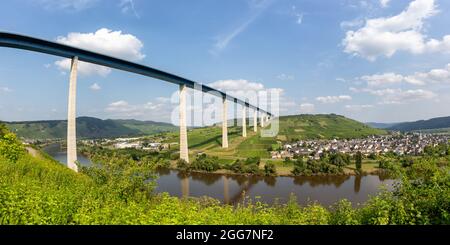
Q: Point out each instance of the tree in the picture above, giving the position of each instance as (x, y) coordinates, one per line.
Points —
(358, 161)
(3, 130)
(10, 147)
(270, 169)
(299, 167)
(182, 164)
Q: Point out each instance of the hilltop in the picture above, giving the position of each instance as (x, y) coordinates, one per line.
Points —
(431, 124)
(88, 127)
(323, 126)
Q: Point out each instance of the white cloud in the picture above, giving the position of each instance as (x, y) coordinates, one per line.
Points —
(352, 23)
(402, 32)
(333, 99)
(258, 8)
(419, 78)
(237, 85)
(399, 96)
(83, 68)
(358, 108)
(72, 5)
(5, 89)
(299, 19)
(306, 108)
(150, 109)
(127, 6)
(384, 3)
(297, 14)
(285, 77)
(95, 87)
(105, 41)
(256, 93)
(382, 79)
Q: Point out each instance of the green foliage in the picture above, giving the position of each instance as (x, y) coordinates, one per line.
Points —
(299, 167)
(407, 161)
(248, 166)
(339, 159)
(256, 146)
(88, 127)
(323, 127)
(372, 156)
(270, 169)
(182, 164)
(322, 166)
(40, 191)
(3, 129)
(205, 163)
(10, 147)
(344, 214)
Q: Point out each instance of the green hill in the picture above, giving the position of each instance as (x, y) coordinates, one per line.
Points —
(209, 139)
(323, 127)
(431, 124)
(87, 127)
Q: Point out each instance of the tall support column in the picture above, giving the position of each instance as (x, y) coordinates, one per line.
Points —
(255, 121)
(71, 117)
(184, 152)
(225, 124)
(244, 122)
(262, 120)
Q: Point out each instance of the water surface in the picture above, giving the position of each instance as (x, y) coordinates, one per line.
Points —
(231, 189)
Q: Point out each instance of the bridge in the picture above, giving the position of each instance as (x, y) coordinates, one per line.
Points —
(11, 40)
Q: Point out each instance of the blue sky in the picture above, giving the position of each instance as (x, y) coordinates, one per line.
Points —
(371, 60)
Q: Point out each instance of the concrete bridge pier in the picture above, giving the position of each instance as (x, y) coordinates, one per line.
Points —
(225, 124)
(262, 120)
(244, 122)
(71, 117)
(255, 121)
(184, 152)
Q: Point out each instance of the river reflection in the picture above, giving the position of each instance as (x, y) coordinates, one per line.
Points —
(232, 189)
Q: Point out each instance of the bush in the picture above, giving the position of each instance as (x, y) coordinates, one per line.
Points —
(3, 130)
(182, 164)
(299, 167)
(205, 163)
(39, 191)
(339, 159)
(407, 161)
(174, 156)
(10, 147)
(270, 169)
(249, 166)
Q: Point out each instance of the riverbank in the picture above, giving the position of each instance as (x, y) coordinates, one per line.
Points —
(57, 195)
(370, 168)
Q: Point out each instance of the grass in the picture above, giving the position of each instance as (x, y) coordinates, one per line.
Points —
(323, 127)
(36, 190)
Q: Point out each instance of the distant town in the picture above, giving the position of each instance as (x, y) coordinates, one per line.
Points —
(401, 144)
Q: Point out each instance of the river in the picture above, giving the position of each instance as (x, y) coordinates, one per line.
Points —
(325, 190)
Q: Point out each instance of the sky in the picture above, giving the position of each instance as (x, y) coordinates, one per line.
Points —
(370, 60)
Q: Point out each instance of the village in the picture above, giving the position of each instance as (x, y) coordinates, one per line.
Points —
(141, 143)
(402, 144)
